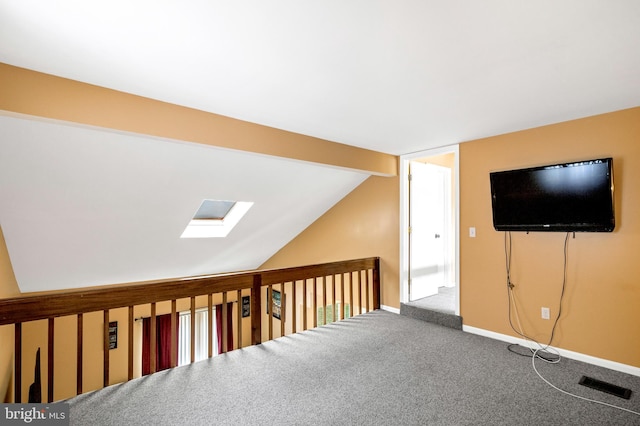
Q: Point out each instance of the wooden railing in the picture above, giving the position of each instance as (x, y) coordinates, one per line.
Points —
(306, 293)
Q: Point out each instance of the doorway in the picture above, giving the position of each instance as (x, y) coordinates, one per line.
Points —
(429, 209)
(429, 229)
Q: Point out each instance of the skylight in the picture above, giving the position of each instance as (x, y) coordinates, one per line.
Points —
(216, 218)
(213, 210)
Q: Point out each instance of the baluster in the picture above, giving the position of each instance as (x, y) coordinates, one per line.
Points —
(193, 329)
(314, 294)
(324, 300)
(283, 308)
(333, 298)
(270, 310)
(359, 292)
(17, 345)
(366, 284)
(343, 298)
(130, 324)
(239, 318)
(79, 340)
(351, 293)
(152, 339)
(225, 331)
(294, 318)
(174, 331)
(50, 359)
(304, 304)
(210, 324)
(105, 352)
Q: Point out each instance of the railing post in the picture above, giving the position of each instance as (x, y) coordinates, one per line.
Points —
(376, 284)
(256, 310)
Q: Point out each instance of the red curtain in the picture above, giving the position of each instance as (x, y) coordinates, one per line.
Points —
(229, 327)
(163, 343)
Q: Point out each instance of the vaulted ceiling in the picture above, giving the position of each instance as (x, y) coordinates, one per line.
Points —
(390, 76)
(83, 206)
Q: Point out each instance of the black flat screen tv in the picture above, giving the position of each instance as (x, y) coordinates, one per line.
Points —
(569, 197)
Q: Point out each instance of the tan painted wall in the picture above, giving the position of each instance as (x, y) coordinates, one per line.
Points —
(601, 309)
(363, 224)
(444, 160)
(8, 288)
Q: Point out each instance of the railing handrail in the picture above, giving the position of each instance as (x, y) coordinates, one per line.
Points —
(53, 304)
(57, 303)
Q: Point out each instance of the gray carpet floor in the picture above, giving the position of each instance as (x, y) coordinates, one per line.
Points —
(378, 368)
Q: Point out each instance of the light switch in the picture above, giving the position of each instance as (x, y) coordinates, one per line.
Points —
(472, 232)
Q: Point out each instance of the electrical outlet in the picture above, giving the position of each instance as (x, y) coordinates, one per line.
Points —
(545, 313)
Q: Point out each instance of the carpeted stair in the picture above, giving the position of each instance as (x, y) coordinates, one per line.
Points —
(441, 318)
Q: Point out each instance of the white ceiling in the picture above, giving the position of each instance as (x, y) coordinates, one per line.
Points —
(396, 76)
(83, 207)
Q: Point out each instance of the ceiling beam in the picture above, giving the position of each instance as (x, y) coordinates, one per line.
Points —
(46, 96)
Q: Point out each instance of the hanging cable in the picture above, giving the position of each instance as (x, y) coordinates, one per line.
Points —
(533, 363)
(564, 285)
(544, 352)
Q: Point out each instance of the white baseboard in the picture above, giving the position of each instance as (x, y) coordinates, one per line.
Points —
(390, 309)
(612, 365)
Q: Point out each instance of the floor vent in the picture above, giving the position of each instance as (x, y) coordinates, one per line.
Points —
(605, 387)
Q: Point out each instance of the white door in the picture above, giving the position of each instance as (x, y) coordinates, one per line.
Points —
(428, 228)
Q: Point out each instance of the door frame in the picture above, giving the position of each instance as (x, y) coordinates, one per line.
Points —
(404, 218)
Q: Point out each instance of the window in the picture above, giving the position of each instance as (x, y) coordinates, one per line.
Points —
(329, 313)
(202, 336)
